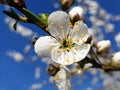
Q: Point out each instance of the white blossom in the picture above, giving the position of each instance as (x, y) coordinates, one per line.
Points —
(63, 79)
(103, 46)
(116, 58)
(66, 44)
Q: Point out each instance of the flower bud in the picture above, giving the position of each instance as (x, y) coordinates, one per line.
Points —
(66, 4)
(21, 3)
(87, 66)
(116, 58)
(103, 46)
(76, 13)
(52, 70)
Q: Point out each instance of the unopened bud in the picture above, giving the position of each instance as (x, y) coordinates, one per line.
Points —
(66, 4)
(116, 58)
(103, 46)
(87, 66)
(21, 3)
(52, 70)
(76, 13)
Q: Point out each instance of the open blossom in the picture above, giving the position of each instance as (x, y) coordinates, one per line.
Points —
(67, 44)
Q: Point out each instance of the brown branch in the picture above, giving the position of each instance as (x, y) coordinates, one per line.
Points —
(106, 67)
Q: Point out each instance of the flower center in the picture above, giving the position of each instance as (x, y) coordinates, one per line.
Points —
(66, 44)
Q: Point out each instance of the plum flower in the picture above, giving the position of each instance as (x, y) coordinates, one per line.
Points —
(67, 43)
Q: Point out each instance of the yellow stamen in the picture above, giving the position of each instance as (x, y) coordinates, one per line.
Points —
(76, 23)
(70, 33)
(52, 24)
(66, 35)
(78, 30)
(74, 59)
(76, 48)
(77, 40)
(67, 60)
(71, 26)
(61, 27)
(51, 47)
(58, 51)
(83, 41)
(47, 29)
(69, 23)
(82, 35)
(63, 50)
(68, 49)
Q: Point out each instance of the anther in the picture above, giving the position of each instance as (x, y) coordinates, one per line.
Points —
(78, 30)
(74, 59)
(75, 48)
(69, 23)
(58, 51)
(47, 29)
(77, 40)
(52, 24)
(61, 27)
(67, 60)
(51, 47)
(71, 26)
(76, 23)
(82, 35)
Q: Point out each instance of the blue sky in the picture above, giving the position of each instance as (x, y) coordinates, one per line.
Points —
(20, 75)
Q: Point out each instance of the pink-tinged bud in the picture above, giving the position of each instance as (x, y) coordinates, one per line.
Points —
(66, 4)
(76, 13)
(103, 46)
(116, 58)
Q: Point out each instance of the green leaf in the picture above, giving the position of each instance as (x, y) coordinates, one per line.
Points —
(15, 25)
(44, 18)
(31, 16)
(11, 14)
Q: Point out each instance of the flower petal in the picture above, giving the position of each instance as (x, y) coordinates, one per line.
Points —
(62, 57)
(80, 51)
(58, 24)
(80, 32)
(44, 45)
(76, 54)
(62, 79)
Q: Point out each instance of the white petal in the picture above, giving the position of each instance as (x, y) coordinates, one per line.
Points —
(69, 57)
(80, 32)
(81, 51)
(62, 79)
(44, 45)
(58, 57)
(63, 57)
(58, 24)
